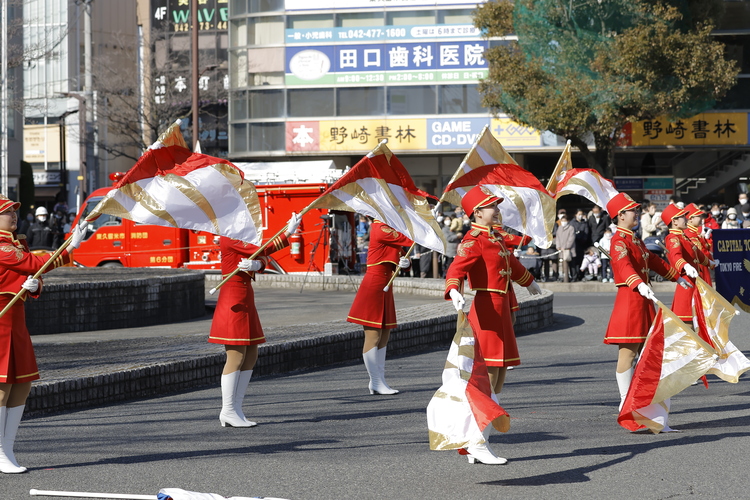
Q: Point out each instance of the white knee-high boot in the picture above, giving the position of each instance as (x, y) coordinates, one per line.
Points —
(381, 367)
(377, 386)
(7, 466)
(228, 416)
(623, 384)
(242, 382)
(482, 453)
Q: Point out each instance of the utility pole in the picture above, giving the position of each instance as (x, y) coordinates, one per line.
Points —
(4, 104)
(86, 117)
(194, 61)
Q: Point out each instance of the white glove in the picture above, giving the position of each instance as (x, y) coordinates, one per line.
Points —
(403, 263)
(534, 289)
(248, 265)
(690, 271)
(457, 298)
(436, 211)
(646, 291)
(293, 223)
(707, 231)
(79, 233)
(714, 263)
(684, 283)
(31, 285)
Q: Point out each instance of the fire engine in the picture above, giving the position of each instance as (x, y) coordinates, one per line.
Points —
(325, 241)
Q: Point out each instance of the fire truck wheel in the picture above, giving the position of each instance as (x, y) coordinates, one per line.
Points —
(111, 264)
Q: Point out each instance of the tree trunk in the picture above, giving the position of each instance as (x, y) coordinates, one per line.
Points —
(605, 153)
(588, 155)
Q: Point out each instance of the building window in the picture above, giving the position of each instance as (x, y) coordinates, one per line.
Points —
(266, 103)
(239, 32)
(413, 100)
(239, 137)
(265, 5)
(310, 21)
(310, 102)
(460, 99)
(266, 30)
(360, 101)
(358, 19)
(267, 136)
(238, 7)
(239, 106)
(459, 16)
(405, 18)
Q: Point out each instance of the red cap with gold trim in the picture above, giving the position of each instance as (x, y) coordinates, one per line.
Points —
(478, 196)
(619, 203)
(8, 204)
(693, 210)
(672, 212)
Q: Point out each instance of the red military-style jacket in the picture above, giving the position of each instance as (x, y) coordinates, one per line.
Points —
(232, 251)
(631, 260)
(386, 244)
(487, 261)
(17, 263)
(693, 233)
(681, 250)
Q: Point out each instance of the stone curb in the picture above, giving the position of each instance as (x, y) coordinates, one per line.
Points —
(422, 328)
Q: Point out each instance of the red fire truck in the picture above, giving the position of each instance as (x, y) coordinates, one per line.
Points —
(325, 241)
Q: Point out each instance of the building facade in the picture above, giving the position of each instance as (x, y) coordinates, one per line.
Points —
(329, 80)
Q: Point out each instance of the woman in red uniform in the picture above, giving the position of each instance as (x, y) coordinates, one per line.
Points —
(17, 361)
(634, 310)
(373, 308)
(694, 233)
(685, 258)
(236, 324)
(484, 257)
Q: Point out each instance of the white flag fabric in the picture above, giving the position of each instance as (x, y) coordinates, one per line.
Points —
(180, 494)
(588, 183)
(464, 405)
(170, 186)
(713, 313)
(379, 186)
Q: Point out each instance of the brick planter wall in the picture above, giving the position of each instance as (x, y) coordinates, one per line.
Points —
(85, 299)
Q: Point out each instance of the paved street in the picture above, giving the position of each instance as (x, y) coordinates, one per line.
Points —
(321, 436)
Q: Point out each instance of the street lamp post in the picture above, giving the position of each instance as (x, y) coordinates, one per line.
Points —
(81, 144)
(194, 61)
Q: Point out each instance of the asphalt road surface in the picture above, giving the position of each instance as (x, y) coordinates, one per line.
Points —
(322, 436)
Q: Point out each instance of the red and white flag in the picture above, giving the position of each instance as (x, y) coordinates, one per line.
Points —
(713, 313)
(588, 183)
(171, 186)
(380, 187)
(564, 164)
(527, 206)
(465, 404)
(672, 358)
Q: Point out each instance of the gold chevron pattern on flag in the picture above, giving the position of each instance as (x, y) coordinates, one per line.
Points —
(564, 163)
(170, 186)
(464, 405)
(380, 187)
(713, 315)
(486, 151)
(673, 357)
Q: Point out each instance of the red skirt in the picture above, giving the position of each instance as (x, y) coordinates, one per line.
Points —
(372, 307)
(682, 303)
(236, 320)
(17, 360)
(631, 318)
(493, 328)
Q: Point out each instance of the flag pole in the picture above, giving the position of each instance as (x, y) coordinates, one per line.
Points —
(261, 248)
(84, 494)
(440, 201)
(552, 182)
(93, 215)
